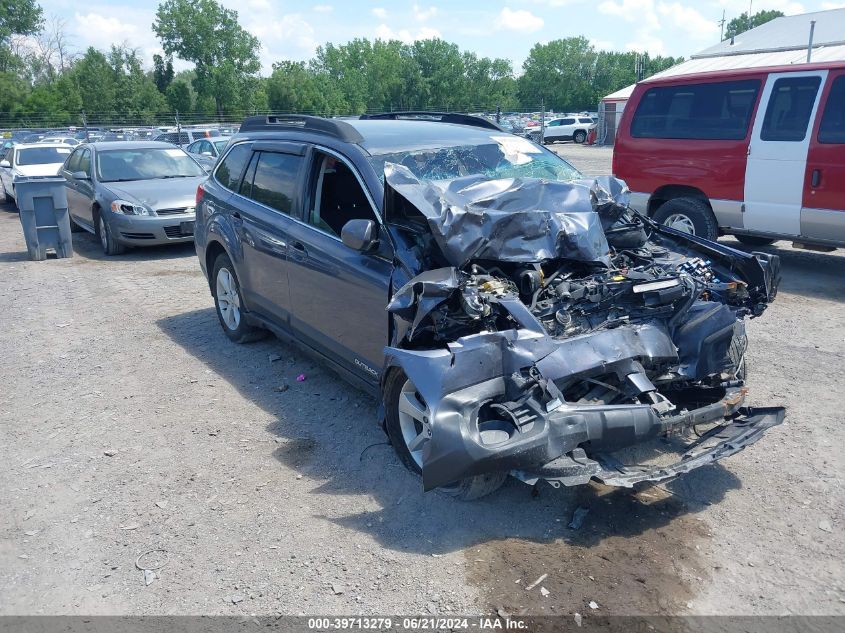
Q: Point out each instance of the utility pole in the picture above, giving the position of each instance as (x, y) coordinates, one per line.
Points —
(810, 43)
(721, 24)
(85, 127)
(542, 120)
(178, 130)
(750, 4)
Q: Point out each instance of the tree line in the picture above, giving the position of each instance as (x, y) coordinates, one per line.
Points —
(44, 82)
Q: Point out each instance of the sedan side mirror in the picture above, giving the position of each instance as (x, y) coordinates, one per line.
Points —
(80, 175)
(360, 235)
(5, 164)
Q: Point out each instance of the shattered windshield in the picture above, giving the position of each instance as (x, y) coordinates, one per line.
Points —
(505, 156)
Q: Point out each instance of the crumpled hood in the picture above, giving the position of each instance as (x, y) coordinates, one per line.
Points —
(518, 220)
(159, 193)
(45, 169)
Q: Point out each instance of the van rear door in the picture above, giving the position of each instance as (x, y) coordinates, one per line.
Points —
(777, 154)
(823, 212)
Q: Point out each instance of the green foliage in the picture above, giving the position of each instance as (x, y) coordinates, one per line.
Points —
(162, 72)
(225, 56)
(740, 24)
(570, 75)
(179, 96)
(17, 17)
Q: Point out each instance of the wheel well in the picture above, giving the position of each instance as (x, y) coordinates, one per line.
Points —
(669, 192)
(212, 252)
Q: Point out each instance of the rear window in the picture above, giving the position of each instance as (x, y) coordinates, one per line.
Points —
(832, 127)
(274, 182)
(232, 166)
(789, 109)
(43, 155)
(710, 111)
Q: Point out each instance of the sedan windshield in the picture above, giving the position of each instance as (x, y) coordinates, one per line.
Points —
(147, 163)
(43, 155)
(505, 156)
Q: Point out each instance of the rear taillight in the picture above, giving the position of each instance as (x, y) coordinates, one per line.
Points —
(200, 194)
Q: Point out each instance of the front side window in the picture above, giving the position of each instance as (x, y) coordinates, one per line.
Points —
(72, 164)
(232, 166)
(43, 155)
(274, 182)
(505, 156)
(145, 164)
(832, 126)
(789, 109)
(708, 111)
(336, 196)
(553, 123)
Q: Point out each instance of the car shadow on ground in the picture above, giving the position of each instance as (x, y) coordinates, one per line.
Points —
(326, 431)
(806, 273)
(87, 245)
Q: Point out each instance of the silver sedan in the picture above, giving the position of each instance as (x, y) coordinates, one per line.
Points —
(132, 193)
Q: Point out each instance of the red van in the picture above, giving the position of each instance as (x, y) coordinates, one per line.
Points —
(758, 153)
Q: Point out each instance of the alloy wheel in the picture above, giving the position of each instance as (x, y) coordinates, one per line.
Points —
(104, 236)
(228, 300)
(680, 222)
(414, 421)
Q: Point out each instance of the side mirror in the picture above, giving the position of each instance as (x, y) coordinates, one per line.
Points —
(360, 235)
(80, 175)
(5, 164)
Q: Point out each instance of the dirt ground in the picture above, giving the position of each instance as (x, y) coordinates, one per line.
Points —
(130, 424)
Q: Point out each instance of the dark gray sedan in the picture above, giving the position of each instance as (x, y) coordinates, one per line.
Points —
(132, 193)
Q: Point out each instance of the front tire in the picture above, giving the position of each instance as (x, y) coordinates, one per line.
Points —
(689, 215)
(407, 419)
(229, 303)
(108, 242)
(579, 137)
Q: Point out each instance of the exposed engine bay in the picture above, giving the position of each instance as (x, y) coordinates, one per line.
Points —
(546, 325)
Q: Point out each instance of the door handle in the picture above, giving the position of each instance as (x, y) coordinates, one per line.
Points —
(298, 249)
(236, 215)
(816, 179)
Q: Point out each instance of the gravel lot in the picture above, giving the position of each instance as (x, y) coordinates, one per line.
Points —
(131, 424)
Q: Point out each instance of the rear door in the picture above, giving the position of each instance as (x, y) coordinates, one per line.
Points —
(270, 197)
(823, 212)
(777, 154)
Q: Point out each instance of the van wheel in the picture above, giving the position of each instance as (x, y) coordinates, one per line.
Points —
(752, 240)
(407, 425)
(580, 136)
(689, 215)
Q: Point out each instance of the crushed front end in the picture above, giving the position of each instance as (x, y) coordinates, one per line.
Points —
(547, 326)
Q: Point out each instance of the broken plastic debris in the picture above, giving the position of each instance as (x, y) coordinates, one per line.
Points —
(149, 577)
(578, 518)
(545, 592)
(578, 618)
(536, 582)
(825, 526)
(300, 378)
(593, 604)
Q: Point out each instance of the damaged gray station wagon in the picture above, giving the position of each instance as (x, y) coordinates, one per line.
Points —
(513, 316)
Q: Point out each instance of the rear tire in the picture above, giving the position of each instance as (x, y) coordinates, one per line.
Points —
(579, 137)
(689, 215)
(4, 197)
(753, 240)
(397, 424)
(228, 301)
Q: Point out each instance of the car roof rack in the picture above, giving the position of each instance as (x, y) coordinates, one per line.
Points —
(442, 117)
(333, 127)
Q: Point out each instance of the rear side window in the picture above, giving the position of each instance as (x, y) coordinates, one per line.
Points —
(567, 121)
(710, 111)
(832, 127)
(232, 166)
(789, 109)
(588, 121)
(274, 182)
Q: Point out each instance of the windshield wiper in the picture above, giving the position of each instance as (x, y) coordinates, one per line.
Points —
(178, 176)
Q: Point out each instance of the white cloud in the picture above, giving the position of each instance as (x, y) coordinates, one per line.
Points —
(602, 45)
(286, 36)
(108, 30)
(520, 20)
(646, 42)
(422, 14)
(384, 32)
(789, 7)
(636, 11)
(827, 6)
(380, 13)
(322, 8)
(689, 20)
